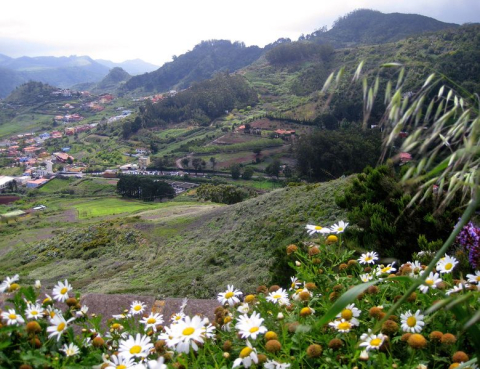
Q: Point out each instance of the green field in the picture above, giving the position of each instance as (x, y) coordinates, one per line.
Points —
(111, 206)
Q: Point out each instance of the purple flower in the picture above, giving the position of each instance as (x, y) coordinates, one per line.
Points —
(469, 239)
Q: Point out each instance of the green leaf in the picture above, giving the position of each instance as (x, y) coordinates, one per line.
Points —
(347, 298)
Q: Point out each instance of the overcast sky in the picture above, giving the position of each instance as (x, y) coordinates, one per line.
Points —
(155, 30)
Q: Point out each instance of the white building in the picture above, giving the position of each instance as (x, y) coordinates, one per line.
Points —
(4, 181)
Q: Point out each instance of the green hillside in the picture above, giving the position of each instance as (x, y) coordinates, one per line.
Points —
(369, 27)
(206, 59)
(181, 248)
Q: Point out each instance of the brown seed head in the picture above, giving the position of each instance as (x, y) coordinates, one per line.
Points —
(314, 351)
(262, 358)
(262, 289)
(335, 344)
(373, 290)
(304, 295)
(417, 341)
(337, 287)
(274, 288)
(312, 251)
(352, 262)
(448, 339)
(98, 342)
(71, 301)
(375, 311)
(227, 345)
(291, 249)
(342, 267)
(273, 346)
(460, 357)
(436, 336)
(405, 337)
(33, 327)
(412, 297)
(389, 327)
(310, 286)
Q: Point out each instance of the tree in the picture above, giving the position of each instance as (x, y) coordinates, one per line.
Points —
(213, 161)
(247, 173)
(197, 164)
(273, 169)
(235, 170)
(185, 162)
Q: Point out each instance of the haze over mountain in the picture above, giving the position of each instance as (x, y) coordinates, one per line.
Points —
(132, 67)
(361, 27)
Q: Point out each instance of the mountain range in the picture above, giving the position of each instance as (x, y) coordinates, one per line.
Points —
(361, 27)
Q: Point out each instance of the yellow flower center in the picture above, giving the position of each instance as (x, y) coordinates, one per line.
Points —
(347, 314)
(52, 314)
(61, 327)
(318, 228)
(48, 299)
(253, 329)
(368, 258)
(178, 317)
(245, 352)
(14, 287)
(137, 307)
(34, 312)
(12, 316)
(151, 321)
(478, 278)
(227, 319)
(136, 349)
(448, 266)
(340, 229)
(229, 294)
(188, 331)
(121, 366)
(344, 326)
(277, 296)
(429, 282)
(411, 321)
(64, 290)
(115, 326)
(375, 342)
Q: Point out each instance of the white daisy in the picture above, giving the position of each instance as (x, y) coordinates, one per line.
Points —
(381, 269)
(371, 341)
(120, 362)
(12, 317)
(446, 264)
(412, 323)
(430, 282)
(366, 277)
(34, 311)
(59, 325)
(82, 312)
(368, 258)
(295, 283)
(250, 327)
(350, 313)
(279, 296)
(474, 278)
(247, 357)
(459, 287)
(312, 229)
(416, 267)
(157, 364)
(70, 350)
(138, 346)
(339, 228)
(272, 364)
(175, 318)
(51, 312)
(6, 284)
(244, 308)
(137, 307)
(343, 326)
(185, 333)
(230, 296)
(296, 295)
(60, 291)
(152, 321)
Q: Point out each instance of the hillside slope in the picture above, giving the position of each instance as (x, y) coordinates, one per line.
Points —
(178, 250)
(206, 59)
(369, 27)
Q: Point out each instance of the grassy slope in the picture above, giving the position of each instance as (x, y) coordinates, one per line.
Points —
(175, 249)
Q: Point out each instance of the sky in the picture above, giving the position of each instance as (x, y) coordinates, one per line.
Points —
(155, 30)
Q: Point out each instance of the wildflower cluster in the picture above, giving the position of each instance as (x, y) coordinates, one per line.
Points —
(334, 313)
(469, 239)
